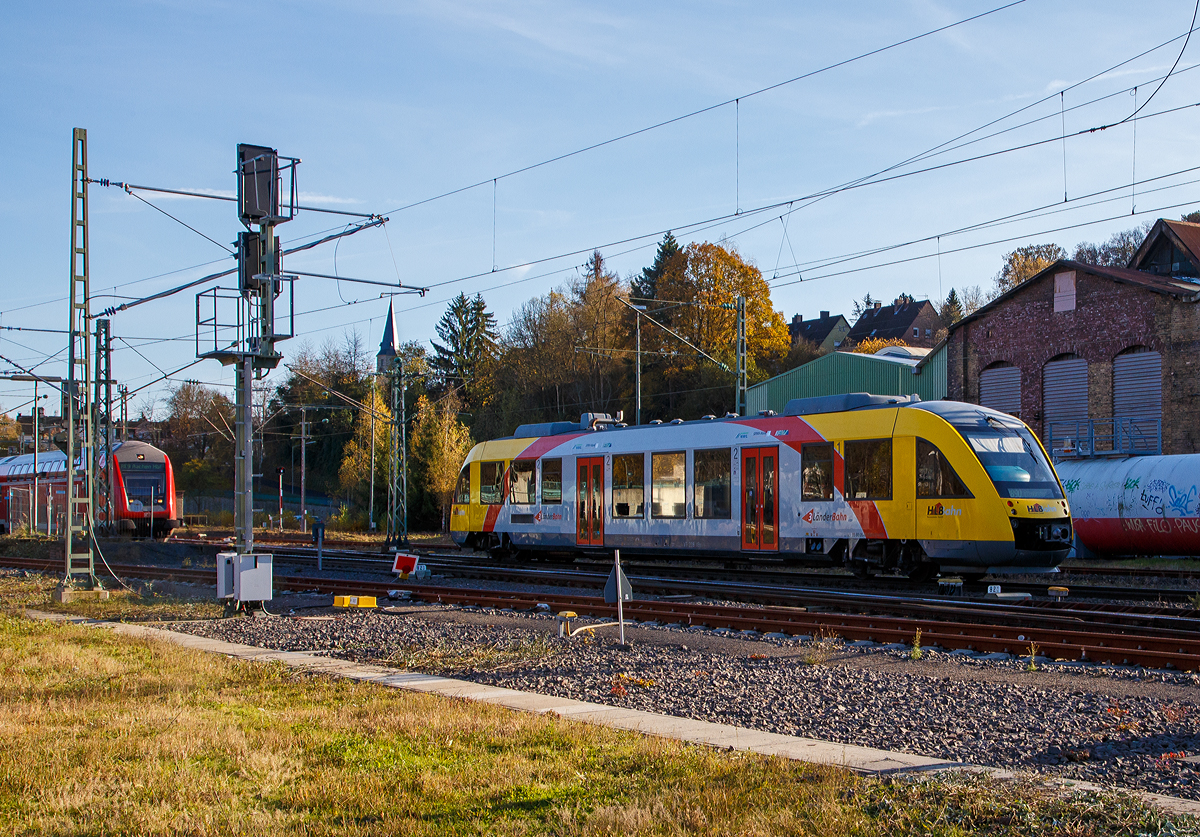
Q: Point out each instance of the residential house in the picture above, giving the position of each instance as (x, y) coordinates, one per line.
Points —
(824, 332)
(916, 322)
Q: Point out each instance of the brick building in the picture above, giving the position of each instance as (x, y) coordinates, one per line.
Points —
(915, 322)
(1094, 359)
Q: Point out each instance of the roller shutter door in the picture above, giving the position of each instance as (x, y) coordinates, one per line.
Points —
(1137, 394)
(1000, 389)
(1065, 392)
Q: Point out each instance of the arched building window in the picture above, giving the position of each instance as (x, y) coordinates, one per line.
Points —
(1137, 396)
(1064, 394)
(1000, 387)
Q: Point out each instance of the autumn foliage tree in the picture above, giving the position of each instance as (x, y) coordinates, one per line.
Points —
(871, 345)
(1024, 263)
(438, 446)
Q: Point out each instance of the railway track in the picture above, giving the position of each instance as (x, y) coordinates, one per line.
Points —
(1059, 632)
(581, 571)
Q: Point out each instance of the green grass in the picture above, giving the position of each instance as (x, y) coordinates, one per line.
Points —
(102, 734)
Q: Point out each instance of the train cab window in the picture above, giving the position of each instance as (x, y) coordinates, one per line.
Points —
(816, 472)
(869, 470)
(712, 475)
(462, 491)
(667, 496)
(629, 486)
(491, 485)
(1012, 458)
(521, 482)
(935, 477)
(551, 480)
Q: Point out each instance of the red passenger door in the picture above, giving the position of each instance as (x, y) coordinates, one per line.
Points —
(760, 498)
(589, 501)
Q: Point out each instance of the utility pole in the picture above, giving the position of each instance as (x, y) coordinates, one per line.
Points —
(124, 393)
(371, 494)
(742, 377)
(103, 407)
(303, 468)
(33, 498)
(80, 419)
(397, 518)
(637, 315)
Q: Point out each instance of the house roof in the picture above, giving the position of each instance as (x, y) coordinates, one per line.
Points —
(1179, 288)
(1184, 234)
(815, 330)
(888, 321)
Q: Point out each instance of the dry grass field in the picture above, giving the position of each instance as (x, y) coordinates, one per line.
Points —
(101, 734)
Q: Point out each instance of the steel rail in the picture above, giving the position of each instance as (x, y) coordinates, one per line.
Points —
(1093, 643)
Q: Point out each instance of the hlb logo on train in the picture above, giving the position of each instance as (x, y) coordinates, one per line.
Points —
(1034, 508)
(824, 517)
(938, 510)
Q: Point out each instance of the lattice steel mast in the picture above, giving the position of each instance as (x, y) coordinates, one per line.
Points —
(80, 417)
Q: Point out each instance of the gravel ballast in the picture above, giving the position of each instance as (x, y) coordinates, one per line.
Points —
(1128, 727)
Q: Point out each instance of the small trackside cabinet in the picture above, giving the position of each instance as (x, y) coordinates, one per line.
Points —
(245, 578)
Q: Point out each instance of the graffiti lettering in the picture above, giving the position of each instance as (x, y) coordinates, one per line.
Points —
(1132, 483)
(1161, 525)
(1182, 500)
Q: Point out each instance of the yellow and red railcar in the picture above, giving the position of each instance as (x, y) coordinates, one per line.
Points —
(877, 483)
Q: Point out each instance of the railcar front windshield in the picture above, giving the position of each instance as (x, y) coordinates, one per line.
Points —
(1013, 460)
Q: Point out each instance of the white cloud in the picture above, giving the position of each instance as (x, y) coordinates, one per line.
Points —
(892, 114)
(314, 197)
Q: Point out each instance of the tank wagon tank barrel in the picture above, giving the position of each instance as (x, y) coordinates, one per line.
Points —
(1142, 505)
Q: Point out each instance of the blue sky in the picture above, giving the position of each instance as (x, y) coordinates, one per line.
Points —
(389, 104)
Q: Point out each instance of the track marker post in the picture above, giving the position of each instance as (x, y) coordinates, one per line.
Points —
(618, 590)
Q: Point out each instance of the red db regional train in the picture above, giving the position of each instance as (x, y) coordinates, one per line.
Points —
(143, 491)
(876, 483)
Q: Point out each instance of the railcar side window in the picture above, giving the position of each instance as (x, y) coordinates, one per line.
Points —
(869, 470)
(713, 483)
(521, 482)
(816, 472)
(551, 480)
(462, 491)
(629, 486)
(935, 477)
(491, 487)
(667, 497)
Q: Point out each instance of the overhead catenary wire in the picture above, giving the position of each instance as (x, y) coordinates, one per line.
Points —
(708, 108)
(985, 244)
(216, 196)
(1182, 50)
(793, 269)
(785, 227)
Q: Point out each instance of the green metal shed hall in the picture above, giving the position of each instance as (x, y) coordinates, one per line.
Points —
(839, 373)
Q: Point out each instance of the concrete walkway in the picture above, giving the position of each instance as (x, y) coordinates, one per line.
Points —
(864, 760)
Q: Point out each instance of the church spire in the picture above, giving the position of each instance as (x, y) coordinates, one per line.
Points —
(389, 344)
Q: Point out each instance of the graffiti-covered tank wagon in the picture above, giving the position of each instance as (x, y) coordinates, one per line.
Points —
(1143, 505)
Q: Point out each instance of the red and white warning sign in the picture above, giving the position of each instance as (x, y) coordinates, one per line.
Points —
(405, 563)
